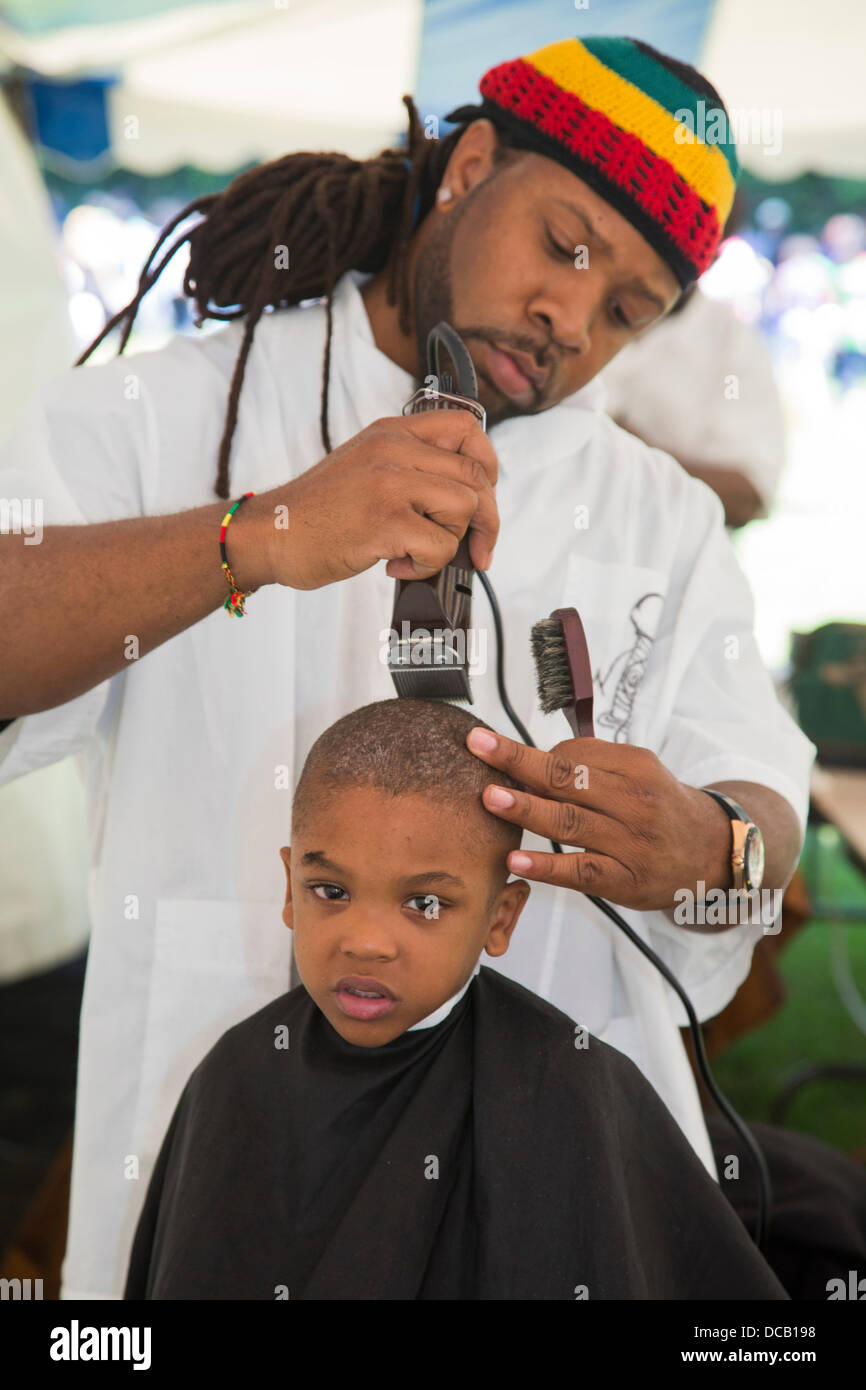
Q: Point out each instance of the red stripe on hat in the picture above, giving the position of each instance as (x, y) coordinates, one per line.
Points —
(650, 181)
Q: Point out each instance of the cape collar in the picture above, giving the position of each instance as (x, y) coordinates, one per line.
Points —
(438, 1015)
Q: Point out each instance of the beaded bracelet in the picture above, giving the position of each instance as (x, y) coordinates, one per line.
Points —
(234, 603)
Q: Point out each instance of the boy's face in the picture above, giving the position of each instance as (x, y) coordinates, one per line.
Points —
(392, 900)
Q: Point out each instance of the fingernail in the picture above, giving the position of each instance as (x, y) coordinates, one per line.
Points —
(498, 796)
(482, 740)
(519, 863)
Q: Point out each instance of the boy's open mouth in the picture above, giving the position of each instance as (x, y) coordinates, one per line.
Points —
(362, 997)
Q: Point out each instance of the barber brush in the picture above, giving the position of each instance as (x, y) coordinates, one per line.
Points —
(429, 652)
(562, 669)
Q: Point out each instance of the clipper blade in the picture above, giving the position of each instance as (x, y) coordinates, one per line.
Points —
(426, 664)
(429, 683)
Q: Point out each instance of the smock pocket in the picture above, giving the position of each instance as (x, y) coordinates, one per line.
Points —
(214, 963)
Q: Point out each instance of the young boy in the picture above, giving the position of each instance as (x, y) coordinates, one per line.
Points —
(404, 1125)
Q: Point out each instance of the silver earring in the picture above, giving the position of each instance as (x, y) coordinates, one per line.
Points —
(444, 195)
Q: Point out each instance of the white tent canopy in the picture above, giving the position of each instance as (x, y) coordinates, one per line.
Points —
(77, 49)
(323, 75)
(223, 84)
(804, 61)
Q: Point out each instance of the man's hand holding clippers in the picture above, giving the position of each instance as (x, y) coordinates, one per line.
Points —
(402, 490)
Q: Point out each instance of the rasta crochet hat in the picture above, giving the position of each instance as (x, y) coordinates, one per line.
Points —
(647, 133)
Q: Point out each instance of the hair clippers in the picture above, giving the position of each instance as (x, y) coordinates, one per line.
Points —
(430, 628)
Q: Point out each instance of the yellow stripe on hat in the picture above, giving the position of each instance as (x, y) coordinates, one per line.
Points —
(571, 66)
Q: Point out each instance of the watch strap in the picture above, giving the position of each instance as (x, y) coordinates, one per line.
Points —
(728, 805)
(739, 832)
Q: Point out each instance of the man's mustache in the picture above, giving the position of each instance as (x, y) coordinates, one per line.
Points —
(541, 353)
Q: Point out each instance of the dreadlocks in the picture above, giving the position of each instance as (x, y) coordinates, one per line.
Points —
(339, 214)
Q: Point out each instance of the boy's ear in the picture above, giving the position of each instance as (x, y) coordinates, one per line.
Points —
(288, 913)
(506, 911)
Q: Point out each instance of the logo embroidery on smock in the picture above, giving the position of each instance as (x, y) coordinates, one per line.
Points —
(626, 671)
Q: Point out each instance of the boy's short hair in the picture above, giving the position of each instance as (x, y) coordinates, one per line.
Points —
(406, 747)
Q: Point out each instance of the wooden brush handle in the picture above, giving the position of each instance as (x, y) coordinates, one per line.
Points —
(579, 715)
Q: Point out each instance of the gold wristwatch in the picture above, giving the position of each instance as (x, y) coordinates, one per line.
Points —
(747, 851)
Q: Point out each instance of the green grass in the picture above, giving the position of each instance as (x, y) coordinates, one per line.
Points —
(811, 1027)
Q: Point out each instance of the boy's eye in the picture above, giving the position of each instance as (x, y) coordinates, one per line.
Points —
(428, 903)
(329, 892)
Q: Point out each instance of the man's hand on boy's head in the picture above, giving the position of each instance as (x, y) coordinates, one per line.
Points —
(645, 835)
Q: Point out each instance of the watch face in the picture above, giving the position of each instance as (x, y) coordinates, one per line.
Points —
(753, 858)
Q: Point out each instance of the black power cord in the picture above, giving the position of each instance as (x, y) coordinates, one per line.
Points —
(738, 1124)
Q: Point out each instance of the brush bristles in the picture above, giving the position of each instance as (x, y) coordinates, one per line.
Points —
(552, 670)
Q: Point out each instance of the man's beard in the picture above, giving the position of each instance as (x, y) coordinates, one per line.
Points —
(434, 301)
(433, 291)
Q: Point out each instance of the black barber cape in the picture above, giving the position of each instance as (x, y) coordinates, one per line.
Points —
(487, 1157)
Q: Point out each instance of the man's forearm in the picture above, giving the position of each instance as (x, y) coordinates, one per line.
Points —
(739, 497)
(75, 600)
